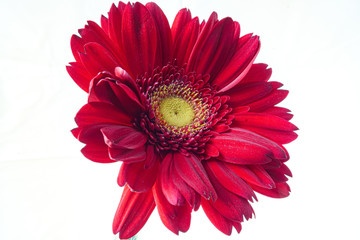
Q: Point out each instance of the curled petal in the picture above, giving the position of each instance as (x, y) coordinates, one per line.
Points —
(175, 218)
(123, 137)
(96, 59)
(97, 153)
(128, 155)
(169, 189)
(193, 173)
(137, 177)
(98, 112)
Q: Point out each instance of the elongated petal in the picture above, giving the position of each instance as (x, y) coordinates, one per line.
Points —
(139, 29)
(80, 75)
(216, 49)
(234, 149)
(164, 43)
(281, 190)
(219, 221)
(116, 93)
(182, 18)
(98, 112)
(277, 150)
(272, 127)
(175, 218)
(193, 173)
(128, 155)
(188, 192)
(229, 204)
(255, 175)
(96, 59)
(169, 189)
(123, 137)
(205, 32)
(258, 72)
(97, 153)
(269, 101)
(244, 94)
(137, 177)
(151, 156)
(240, 64)
(280, 112)
(133, 212)
(183, 45)
(230, 180)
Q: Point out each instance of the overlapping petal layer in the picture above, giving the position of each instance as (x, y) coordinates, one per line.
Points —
(233, 146)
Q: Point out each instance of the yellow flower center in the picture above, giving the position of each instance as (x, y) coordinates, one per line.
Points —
(176, 111)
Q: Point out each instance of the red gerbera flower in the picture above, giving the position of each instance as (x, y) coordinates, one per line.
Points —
(185, 109)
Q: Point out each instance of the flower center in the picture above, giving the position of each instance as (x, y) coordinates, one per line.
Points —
(176, 111)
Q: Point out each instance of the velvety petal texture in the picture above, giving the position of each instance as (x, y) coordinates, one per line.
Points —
(193, 121)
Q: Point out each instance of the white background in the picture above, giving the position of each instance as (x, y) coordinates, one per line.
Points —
(49, 191)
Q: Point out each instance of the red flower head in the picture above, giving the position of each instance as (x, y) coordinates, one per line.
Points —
(190, 116)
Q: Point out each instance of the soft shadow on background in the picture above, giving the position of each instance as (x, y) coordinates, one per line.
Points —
(48, 190)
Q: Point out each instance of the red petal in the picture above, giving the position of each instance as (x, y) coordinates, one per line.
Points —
(216, 49)
(133, 212)
(192, 172)
(137, 177)
(77, 45)
(243, 94)
(97, 153)
(219, 221)
(277, 150)
(182, 18)
(175, 218)
(205, 32)
(188, 192)
(114, 29)
(255, 175)
(280, 191)
(234, 149)
(151, 157)
(280, 112)
(91, 133)
(211, 151)
(96, 59)
(128, 155)
(230, 180)
(269, 101)
(183, 45)
(170, 191)
(140, 38)
(80, 75)
(229, 204)
(240, 64)
(257, 73)
(97, 112)
(116, 93)
(164, 45)
(272, 127)
(123, 137)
